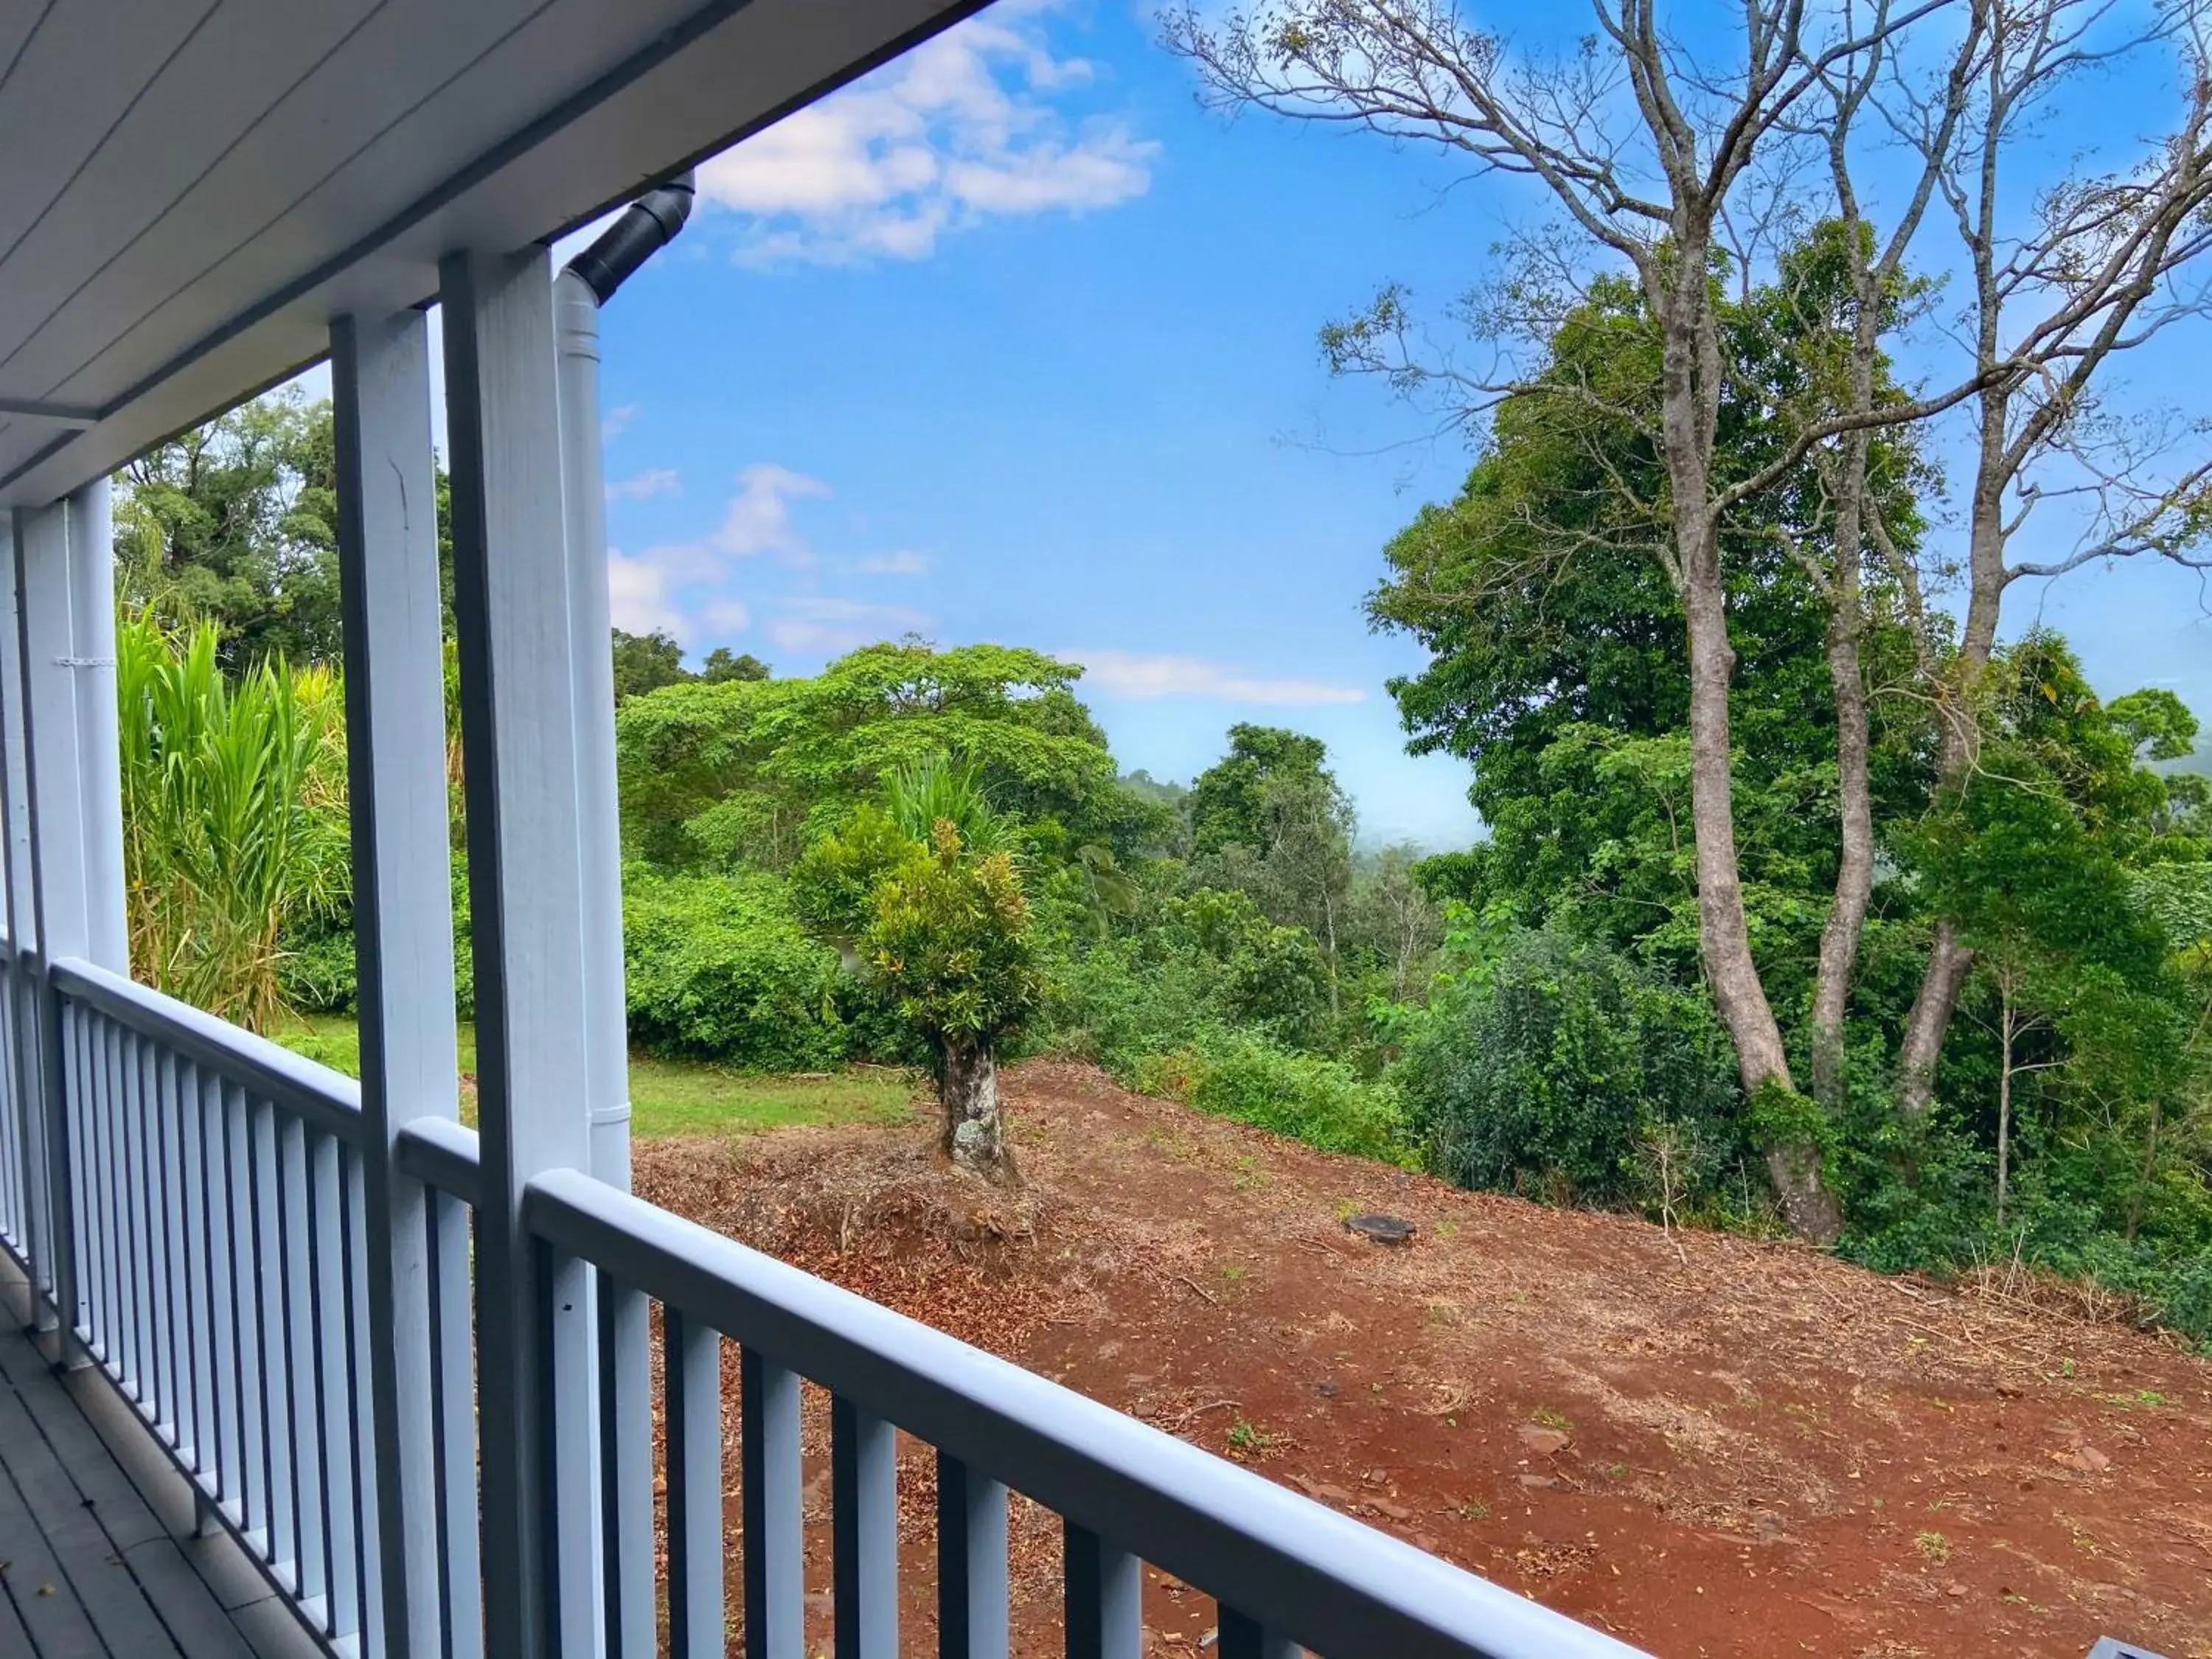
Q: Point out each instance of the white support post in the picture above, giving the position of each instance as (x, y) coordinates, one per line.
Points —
(64, 566)
(15, 783)
(403, 917)
(99, 769)
(19, 1010)
(520, 685)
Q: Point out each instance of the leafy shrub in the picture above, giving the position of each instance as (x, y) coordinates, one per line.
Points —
(719, 969)
(950, 945)
(1322, 1102)
(316, 969)
(1210, 959)
(1541, 1070)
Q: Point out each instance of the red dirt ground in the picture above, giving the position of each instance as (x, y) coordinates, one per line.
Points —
(1704, 1444)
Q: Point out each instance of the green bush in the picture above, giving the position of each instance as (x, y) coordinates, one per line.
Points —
(719, 969)
(1545, 1068)
(315, 968)
(1322, 1102)
(1210, 959)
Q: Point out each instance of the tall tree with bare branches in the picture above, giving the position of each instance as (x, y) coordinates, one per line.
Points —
(1645, 148)
(2064, 281)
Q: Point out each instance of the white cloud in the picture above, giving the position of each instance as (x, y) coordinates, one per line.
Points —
(960, 130)
(758, 520)
(901, 563)
(724, 616)
(659, 481)
(829, 625)
(641, 595)
(1132, 674)
(681, 587)
(612, 422)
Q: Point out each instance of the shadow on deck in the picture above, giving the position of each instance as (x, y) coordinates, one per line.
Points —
(99, 1554)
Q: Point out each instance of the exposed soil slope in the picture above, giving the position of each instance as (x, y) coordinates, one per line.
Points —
(1704, 1444)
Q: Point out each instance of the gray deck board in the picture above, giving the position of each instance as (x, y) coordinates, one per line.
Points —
(87, 1568)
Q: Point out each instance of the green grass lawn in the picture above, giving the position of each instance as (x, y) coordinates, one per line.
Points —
(672, 1097)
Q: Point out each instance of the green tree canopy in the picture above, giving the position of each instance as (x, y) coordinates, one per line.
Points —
(755, 770)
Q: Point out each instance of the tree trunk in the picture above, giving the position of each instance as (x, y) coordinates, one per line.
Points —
(1689, 400)
(1957, 707)
(1793, 1161)
(967, 1087)
(1926, 1026)
(1847, 910)
(2004, 1096)
(2149, 1170)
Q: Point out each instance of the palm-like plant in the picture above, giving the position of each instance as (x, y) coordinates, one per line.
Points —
(944, 789)
(234, 810)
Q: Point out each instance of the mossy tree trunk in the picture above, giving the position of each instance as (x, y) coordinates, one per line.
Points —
(975, 1131)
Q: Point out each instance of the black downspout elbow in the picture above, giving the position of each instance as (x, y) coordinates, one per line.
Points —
(648, 225)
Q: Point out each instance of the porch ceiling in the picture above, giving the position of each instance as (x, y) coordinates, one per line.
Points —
(190, 190)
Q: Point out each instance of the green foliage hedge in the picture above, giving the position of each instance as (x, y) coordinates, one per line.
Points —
(719, 969)
(1543, 1065)
(1322, 1102)
(1210, 959)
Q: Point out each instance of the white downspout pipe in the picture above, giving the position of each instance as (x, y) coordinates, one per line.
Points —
(588, 281)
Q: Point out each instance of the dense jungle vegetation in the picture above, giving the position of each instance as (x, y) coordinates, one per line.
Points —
(931, 855)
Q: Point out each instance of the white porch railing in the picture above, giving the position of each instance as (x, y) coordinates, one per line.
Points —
(212, 1188)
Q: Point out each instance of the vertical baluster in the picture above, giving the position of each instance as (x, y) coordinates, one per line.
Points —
(264, 1146)
(330, 1423)
(108, 1067)
(10, 1122)
(302, 1424)
(864, 1524)
(130, 1101)
(1103, 1588)
(775, 1565)
(73, 1115)
(568, 1386)
(175, 1282)
(354, 1242)
(248, 1348)
(160, 1240)
(691, 1379)
(454, 1368)
(83, 1042)
(153, 1242)
(626, 1475)
(971, 1562)
(193, 1179)
(223, 1376)
(1245, 1638)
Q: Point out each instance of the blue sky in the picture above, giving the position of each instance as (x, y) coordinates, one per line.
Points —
(1013, 342)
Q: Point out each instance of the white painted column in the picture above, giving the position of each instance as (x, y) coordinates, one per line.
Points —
(523, 755)
(19, 1009)
(73, 807)
(99, 771)
(403, 917)
(14, 784)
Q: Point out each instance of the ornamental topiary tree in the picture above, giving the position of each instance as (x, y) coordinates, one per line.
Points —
(951, 941)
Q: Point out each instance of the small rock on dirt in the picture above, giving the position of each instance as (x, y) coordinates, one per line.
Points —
(1539, 1482)
(1379, 1228)
(1544, 1442)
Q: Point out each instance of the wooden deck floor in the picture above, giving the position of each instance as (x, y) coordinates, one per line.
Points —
(98, 1559)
